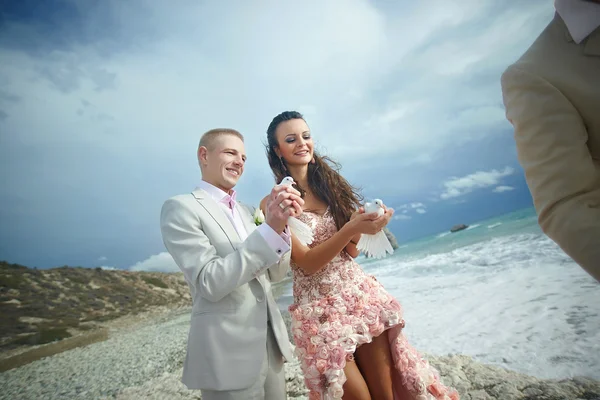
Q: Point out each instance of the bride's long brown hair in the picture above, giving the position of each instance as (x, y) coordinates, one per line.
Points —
(324, 179)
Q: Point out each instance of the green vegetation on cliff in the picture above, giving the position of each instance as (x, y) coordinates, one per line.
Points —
(41, 306)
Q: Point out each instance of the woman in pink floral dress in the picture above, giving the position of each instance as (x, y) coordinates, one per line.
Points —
(346, 328)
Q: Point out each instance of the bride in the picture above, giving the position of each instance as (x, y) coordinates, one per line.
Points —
(347, 329)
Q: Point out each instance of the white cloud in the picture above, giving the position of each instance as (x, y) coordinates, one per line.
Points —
(382, 84)
(445, 101)
(410, 206)
(460, 57)
(392, 115)
(502, 189)
(162, 262)
(243, 76)
(101, 259)
(455, 187)
(307, 110)
(108, 268)
(398, 217)
(419, 208)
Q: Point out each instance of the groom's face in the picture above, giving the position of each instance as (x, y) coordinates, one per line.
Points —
(223, 161)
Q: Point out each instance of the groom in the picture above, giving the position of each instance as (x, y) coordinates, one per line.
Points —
(237, 341)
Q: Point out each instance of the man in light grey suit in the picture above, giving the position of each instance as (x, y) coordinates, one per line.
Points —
(552, 98)
(238, 341)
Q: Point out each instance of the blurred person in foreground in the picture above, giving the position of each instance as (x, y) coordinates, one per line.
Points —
(552, 98)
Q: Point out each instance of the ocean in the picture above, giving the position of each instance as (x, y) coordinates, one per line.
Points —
(499, 291)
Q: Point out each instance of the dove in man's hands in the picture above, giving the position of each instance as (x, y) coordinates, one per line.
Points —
(376, 245)
(303, 232)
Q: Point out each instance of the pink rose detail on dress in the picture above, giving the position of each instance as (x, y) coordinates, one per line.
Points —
(339, 308)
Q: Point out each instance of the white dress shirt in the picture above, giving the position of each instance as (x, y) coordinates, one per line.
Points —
(582, 17)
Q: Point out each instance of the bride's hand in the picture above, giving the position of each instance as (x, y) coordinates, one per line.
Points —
(356, 238)
(369, 224)
(364, 224)
(356, 213)
(382, 221)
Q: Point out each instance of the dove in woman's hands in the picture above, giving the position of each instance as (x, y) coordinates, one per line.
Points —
(302, 231)
(376, 245)
(287, 181)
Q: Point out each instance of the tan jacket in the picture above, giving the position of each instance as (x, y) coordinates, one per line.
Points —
(552, 98)
(230, 284)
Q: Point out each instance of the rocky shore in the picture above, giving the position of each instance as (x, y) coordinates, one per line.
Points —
(145, 361)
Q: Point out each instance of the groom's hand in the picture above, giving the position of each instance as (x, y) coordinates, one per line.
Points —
(294, 200)
(282, 203)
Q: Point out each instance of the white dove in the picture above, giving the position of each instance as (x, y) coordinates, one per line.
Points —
(376, 245)
(302, 231)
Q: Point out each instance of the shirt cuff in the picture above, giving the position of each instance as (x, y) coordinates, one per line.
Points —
(279, 243)
(286, 235)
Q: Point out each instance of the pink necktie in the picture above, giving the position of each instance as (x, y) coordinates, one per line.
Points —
(229, 200)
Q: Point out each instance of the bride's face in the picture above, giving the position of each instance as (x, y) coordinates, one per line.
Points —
(295, 142)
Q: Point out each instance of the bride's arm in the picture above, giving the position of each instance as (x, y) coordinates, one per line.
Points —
(351, 246)
(311, 260)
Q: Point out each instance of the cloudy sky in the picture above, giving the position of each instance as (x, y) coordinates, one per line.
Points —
(102, 104)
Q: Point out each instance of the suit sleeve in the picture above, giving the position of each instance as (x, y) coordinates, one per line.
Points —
(278, 271)
(564, 180)
(214, 277)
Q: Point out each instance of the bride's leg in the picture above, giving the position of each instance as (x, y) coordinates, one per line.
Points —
(355, 387)
(375, 361)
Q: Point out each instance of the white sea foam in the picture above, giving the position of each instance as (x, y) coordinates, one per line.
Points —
(516, 301)
(473, 226)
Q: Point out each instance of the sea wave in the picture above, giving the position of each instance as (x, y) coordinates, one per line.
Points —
(516, 301)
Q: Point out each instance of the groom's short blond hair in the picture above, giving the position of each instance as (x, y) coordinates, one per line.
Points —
(208, 138)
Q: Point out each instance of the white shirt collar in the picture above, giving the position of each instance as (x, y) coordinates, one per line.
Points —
(581, 17)
(216, 193)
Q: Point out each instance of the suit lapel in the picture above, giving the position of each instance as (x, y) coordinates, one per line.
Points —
(216, 212)
(592, 45)
(247, 218)
(248, 221)
(213, 209)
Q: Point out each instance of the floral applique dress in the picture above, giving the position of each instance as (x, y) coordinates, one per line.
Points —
(340, 308)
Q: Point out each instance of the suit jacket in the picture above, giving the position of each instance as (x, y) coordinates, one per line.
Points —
(230, 284)
(552, 98)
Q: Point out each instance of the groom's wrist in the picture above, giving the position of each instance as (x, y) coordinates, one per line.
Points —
(275, 241)
(286, 235)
